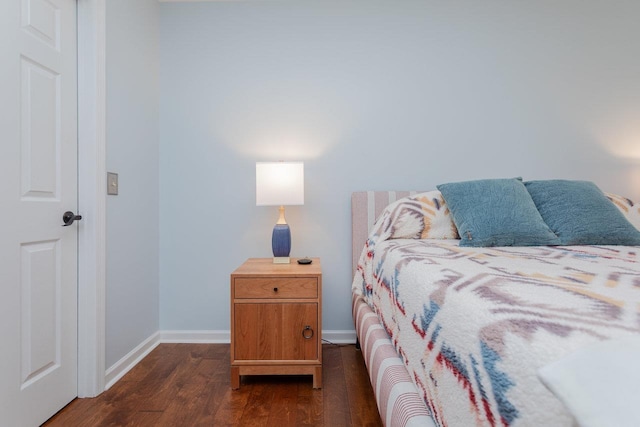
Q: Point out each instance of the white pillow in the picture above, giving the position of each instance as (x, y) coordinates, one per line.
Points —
(421, 216)
(629, 208)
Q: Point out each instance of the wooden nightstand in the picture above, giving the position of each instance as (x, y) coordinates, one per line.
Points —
(276, 320)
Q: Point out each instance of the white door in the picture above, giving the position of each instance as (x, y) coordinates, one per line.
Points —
(38, 171)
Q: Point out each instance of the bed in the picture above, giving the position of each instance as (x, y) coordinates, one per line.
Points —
(462, 336)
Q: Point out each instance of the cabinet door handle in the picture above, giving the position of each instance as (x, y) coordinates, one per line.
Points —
(307, 332)
(275, 289)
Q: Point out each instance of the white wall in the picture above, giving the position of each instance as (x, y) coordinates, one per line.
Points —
(132, 152)
(373, 95)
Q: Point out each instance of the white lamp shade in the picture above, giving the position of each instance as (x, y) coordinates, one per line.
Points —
(279, 183)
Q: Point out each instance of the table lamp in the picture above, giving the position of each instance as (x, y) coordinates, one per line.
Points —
(280, 184)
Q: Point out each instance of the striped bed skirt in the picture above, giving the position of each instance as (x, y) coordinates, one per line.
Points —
(398, 400)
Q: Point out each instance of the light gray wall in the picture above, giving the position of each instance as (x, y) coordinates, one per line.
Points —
(373, 95)
(132, 152)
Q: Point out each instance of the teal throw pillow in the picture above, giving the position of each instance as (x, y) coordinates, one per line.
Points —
(496, 212)
(580, 214)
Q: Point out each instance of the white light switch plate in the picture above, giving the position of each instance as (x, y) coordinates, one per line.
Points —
(112, 183)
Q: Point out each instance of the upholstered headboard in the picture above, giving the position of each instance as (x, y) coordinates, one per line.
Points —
(365, 208)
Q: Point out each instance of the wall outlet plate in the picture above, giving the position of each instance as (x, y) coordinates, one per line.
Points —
(112, 183)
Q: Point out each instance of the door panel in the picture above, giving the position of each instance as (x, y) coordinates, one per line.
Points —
(40, 136)
(41, 18)
(38, 167)
(40, 310)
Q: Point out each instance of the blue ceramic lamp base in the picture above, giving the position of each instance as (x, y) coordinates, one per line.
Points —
(281, 244)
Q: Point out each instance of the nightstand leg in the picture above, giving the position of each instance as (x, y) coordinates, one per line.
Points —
(235, 378)
(317, 377)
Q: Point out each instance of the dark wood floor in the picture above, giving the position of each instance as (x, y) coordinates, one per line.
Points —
(189, 385)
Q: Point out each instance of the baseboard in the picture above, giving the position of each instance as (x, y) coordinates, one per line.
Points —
(196, 337)
(339, 336)
(124, 365)
(224, 337)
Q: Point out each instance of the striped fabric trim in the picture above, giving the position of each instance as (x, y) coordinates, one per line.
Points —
(398, 400)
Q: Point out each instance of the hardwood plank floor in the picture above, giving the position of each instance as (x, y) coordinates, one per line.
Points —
(189, 385)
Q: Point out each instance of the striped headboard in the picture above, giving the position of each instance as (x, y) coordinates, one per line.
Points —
(366, 206)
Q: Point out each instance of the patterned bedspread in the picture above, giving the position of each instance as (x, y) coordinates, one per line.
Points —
(474, 325)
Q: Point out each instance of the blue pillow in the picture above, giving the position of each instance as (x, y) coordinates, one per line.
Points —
(580, 214)
(496, 212)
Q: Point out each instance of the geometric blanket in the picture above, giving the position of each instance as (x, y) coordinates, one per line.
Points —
(474, 325)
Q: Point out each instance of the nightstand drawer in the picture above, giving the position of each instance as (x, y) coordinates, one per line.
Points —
(276, 287)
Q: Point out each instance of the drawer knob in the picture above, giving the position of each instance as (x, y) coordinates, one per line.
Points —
(275, 289)
(307, 332)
